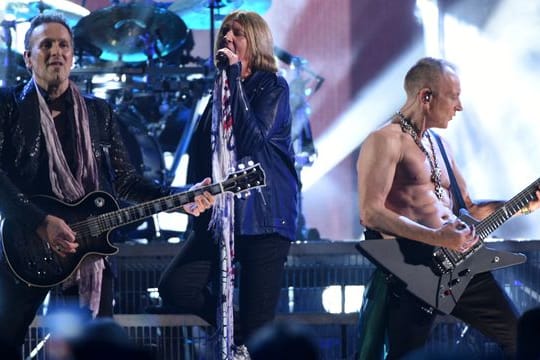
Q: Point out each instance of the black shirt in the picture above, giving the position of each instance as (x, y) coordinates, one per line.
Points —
(64, 124)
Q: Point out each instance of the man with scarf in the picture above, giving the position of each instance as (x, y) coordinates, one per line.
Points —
(248, 119)
(56, 142)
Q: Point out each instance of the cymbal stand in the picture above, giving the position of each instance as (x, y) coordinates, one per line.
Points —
(8, 63)
(302, 137)
(304, 147)
(213, 5)
(188, 132)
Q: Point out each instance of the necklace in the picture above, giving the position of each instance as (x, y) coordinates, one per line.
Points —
(409, 128)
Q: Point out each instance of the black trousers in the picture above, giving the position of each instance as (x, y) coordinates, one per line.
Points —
(484, 305)
(20, 302)
(185, 284)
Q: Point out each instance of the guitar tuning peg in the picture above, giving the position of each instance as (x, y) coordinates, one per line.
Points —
(243, 195)
(241, 166)
(251, 163)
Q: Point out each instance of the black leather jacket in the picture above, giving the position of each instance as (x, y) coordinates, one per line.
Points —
(262, 131)
(23, 154)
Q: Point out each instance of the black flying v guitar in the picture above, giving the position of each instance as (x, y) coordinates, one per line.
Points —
(92, 219)
(437, 275)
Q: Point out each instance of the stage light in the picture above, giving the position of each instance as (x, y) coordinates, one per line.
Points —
(372, 107)
(428, 13)
(340, 299)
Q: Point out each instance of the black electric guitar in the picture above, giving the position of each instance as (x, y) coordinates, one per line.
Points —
(438, 276)
(93, 218)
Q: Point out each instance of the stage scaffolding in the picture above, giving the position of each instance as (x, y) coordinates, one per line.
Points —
(310, 269)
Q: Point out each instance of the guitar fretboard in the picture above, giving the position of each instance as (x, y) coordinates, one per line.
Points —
(133, 213)
(495, 220)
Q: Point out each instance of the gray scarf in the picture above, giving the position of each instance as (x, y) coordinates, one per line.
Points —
(66, 185)
(72, 187)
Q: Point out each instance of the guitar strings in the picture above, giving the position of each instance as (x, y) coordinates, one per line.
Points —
(108, 220)
(124, 216)
(496, 219)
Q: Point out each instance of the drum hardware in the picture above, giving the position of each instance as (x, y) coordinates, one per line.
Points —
(302, 87)
(303, 83)
(85, 51)
(21, 12)
(300, 65)
(14, 69)
(145, 154)
(152, 72)
(132, 32)
(197, 13)
(168, 113)
(28, 9)
(185, 140)
(207, 14)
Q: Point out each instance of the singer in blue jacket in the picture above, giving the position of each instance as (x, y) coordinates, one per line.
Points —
(248, 119)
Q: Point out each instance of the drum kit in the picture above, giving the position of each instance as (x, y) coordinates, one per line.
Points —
(137, 56)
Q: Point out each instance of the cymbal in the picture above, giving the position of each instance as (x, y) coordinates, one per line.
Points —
(28, 9)
(196, 13)
(132, 32)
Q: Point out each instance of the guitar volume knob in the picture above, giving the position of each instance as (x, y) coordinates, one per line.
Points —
(464, 272)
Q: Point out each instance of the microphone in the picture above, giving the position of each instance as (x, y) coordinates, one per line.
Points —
(287, 57)
(222, 61)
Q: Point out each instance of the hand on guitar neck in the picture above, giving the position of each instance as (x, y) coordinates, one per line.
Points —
(50, 254)
(202, 202)
(62, 239)
(532, 206)
(59, 236)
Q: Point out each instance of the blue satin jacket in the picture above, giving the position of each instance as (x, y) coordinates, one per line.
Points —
(262, 131)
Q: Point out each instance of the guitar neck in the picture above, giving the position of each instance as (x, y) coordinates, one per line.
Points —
(505, 212)
(244, 180)
(137, 212)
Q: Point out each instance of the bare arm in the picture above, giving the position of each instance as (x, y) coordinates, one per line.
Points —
(379, 157)
(482, 209)
(376, 167)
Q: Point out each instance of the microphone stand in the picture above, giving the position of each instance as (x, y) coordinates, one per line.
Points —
(302, 137)
(212, 4)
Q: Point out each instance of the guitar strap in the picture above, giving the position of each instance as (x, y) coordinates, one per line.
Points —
(453, 182)
(105, 150)
(373, 315)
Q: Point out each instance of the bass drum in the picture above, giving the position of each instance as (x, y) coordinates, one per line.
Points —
(144, 150)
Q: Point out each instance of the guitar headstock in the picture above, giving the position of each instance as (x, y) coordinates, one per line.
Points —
(244, 179)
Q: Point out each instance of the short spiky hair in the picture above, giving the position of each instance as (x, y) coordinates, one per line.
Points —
(45, 19)
(426, 74)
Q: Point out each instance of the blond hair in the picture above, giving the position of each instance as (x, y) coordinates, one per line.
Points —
(260, 43)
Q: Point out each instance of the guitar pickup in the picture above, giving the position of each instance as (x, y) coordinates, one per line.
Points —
(441, 261)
